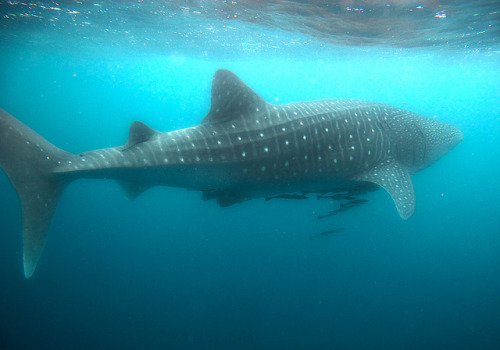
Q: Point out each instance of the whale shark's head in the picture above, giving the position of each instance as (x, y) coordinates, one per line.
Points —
(419, 141)
(440, 138)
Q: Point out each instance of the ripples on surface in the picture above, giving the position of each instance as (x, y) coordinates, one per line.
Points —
(258, 26)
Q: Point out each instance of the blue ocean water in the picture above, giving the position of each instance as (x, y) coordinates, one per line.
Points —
(169, 271)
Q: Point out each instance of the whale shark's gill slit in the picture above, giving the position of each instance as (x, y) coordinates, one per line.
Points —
(358, 143)
(423, 144)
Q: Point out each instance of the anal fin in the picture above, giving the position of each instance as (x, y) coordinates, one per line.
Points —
(132, 189)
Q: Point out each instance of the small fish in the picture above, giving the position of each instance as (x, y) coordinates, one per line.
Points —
(288, 196)
(332, 213)
(326, 233)
(343, 207)
(337, 197)
(347, 192)
(353, 203)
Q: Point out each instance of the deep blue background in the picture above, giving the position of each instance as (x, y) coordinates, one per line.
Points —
(170, 271)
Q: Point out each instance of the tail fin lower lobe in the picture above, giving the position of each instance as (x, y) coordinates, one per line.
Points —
(29, 161)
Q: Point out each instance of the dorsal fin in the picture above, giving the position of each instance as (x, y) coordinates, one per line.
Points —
(231, 98)
(139, 132)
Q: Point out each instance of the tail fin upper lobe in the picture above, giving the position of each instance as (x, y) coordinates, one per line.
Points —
(29, 161)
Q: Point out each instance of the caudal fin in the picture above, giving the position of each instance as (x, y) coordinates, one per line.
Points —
(29, 161)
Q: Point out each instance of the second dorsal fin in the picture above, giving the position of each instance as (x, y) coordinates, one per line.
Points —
(231, 98)
(139, 132)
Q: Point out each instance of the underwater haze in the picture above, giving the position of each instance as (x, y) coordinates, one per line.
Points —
(170, 271)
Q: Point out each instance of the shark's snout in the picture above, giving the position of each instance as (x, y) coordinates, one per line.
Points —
(459, 135)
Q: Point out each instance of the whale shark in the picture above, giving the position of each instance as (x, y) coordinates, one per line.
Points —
(244, 148)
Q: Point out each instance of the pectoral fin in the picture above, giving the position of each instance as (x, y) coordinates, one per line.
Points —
(395, 179)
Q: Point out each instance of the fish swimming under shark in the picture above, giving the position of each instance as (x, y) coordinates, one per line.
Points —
(244, 148)
(344, 207)
(326, 233)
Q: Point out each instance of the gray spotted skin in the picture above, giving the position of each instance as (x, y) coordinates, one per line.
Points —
(244, 148)
(328, 140)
